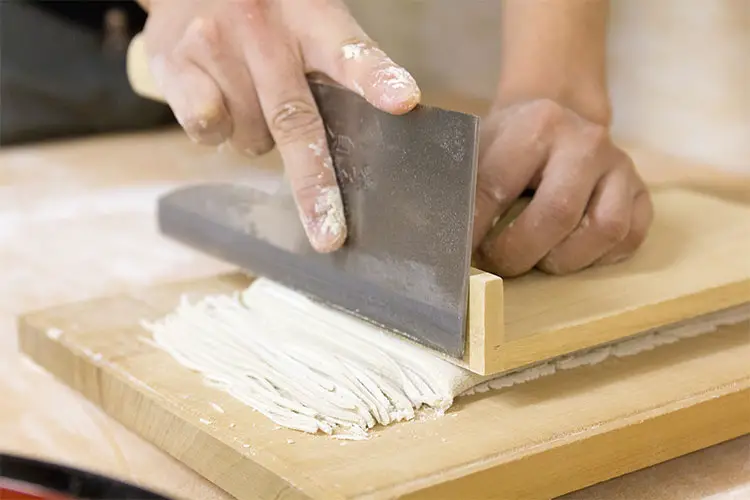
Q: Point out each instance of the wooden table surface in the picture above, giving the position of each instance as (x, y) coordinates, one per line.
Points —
(76, 222)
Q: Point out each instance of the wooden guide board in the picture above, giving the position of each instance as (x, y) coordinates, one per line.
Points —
(696, 260)
(537, 440)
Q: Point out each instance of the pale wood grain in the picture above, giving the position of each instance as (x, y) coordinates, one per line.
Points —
(693, 262)
(486, 327)
(579, 427)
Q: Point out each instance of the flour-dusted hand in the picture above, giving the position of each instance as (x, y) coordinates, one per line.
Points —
(589, 206)
(235, 70)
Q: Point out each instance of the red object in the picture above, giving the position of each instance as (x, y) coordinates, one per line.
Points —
(15, 490)
(23, 478)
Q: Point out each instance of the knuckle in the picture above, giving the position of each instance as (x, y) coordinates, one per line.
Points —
(307, 187)
(485, 194)
(635, 238)
(253, 10)
(643, 219)
(309, 191)
(560, 213)
(546, 112)
(203, 32)
(504, 264)
(625, 166)
(594, 136)
(589, 149)
(614, 228)
(294, 120)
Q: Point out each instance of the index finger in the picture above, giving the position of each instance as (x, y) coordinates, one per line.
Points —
(297, 128)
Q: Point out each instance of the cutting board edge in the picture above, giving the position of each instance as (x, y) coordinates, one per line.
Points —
(53, 356)
(729, 401)
(49, 353)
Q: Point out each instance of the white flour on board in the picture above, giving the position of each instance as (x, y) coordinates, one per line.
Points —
(85, 204)
(93, 243)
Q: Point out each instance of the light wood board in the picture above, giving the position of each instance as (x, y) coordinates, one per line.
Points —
(694, 261)
(537, 440)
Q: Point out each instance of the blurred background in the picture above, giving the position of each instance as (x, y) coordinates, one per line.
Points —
(679, 69)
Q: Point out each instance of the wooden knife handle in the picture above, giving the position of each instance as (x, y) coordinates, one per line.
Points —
(139, 74)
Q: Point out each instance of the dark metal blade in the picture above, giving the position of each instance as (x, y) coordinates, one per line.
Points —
(408, 188)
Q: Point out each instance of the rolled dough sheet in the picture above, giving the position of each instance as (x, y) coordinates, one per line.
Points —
(311, 368)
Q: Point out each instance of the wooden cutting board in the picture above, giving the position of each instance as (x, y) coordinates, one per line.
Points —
(537, 440)
(533, 441)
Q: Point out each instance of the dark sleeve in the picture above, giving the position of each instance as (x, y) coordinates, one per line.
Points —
(90, 13)
(59, 77)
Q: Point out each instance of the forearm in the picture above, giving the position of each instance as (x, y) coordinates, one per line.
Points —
(556, 49)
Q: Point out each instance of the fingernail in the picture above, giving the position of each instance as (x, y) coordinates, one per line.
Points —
(399, 90)
(327, 228)
(204, 122)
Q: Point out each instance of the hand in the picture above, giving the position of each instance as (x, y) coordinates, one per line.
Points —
(589, 206)
(235, 70)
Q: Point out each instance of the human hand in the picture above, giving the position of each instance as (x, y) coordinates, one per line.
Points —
(235, 71)
(589, 207)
